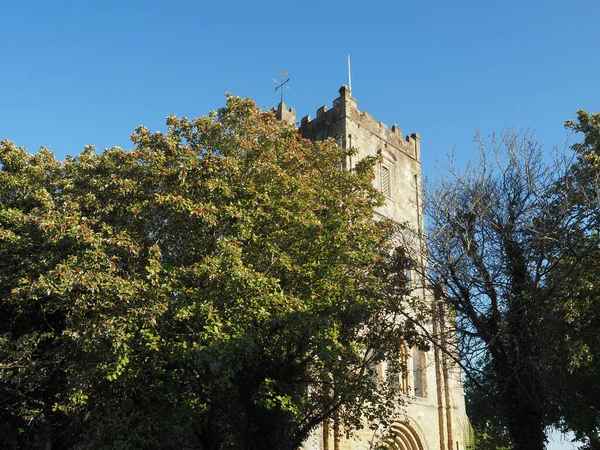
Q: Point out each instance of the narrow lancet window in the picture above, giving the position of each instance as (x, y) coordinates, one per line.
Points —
(419, 373)
(385, 181)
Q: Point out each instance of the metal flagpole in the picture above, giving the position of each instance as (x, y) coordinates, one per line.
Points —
(349, 75)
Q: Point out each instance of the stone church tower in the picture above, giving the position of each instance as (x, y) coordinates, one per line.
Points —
(434, 416)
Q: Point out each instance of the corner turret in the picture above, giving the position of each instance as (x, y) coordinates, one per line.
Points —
(284, 114)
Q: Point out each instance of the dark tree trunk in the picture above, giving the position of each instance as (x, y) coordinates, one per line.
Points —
(525, 422)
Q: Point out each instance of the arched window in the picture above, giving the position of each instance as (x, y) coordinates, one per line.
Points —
(397, 373)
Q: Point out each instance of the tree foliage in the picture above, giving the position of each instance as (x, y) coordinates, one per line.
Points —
(580, 411)
(218, 286)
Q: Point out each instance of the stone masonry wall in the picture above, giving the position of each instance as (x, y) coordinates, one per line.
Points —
(437, 420)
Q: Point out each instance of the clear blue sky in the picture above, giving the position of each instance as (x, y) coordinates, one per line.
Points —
(75, 72)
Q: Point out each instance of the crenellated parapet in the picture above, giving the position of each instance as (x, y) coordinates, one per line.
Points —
(284, 114)
(332, 123)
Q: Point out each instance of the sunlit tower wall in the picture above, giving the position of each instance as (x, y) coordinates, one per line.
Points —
(434, 415)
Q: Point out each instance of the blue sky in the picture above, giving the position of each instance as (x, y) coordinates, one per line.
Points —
(74, 72)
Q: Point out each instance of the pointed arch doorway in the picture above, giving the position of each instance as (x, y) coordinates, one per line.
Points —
(402, 436)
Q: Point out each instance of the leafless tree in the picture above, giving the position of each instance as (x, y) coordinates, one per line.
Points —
(494, 251)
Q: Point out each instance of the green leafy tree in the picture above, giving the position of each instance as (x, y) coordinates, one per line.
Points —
(218, 286)
(580, 192)
(487, 419)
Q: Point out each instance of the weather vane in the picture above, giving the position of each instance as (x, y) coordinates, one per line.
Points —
(281, 84)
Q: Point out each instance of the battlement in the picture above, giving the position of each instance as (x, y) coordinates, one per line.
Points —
(284, 114)
(326, 115)
(346, 107)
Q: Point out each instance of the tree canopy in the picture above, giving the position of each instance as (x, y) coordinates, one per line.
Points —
(218, 286)
(580, 191)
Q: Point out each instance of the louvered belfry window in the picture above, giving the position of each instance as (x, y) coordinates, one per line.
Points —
(385, 181)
